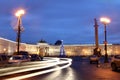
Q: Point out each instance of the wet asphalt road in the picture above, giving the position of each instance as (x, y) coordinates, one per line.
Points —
(81, 69)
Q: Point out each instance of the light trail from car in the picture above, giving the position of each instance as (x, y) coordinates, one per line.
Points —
(29, 66)
(67, 62)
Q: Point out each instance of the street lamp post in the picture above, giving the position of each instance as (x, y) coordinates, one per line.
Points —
(105, 21)
(19, 14)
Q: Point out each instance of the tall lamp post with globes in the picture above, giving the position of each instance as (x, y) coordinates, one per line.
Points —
(105, 21)
(19, 27)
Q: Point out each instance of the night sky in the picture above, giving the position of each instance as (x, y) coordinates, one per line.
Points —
(69, 20)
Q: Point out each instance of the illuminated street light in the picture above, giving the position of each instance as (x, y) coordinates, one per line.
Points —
(105, 21)
(19, 14)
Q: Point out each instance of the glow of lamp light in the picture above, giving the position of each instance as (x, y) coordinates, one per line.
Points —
(105, 20)
(19, 13)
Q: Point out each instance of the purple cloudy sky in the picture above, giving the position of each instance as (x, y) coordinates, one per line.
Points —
(69, 20)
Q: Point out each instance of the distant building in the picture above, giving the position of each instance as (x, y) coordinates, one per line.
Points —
(44, 49)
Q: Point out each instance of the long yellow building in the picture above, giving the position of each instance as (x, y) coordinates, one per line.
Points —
(9, 47)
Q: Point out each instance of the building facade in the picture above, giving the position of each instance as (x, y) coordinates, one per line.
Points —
(44, 49)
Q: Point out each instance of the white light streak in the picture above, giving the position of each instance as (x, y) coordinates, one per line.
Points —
(56, 62)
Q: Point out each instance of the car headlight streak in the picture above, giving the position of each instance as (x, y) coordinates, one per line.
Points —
(67, 62)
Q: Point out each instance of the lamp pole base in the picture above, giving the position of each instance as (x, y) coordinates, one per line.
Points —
(106, 59)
